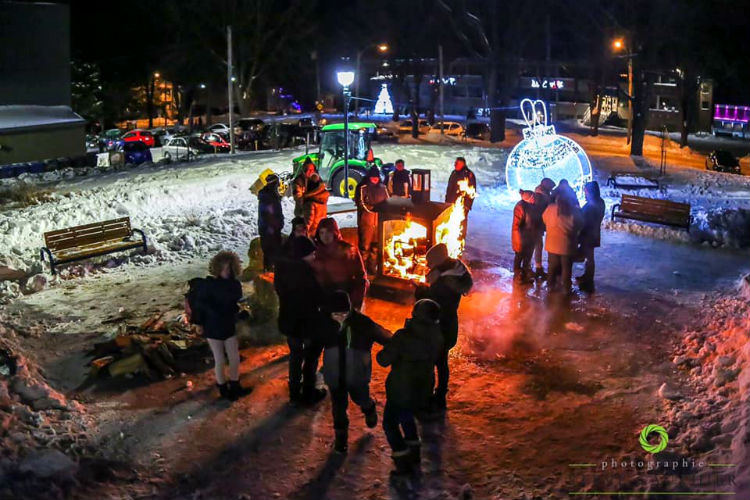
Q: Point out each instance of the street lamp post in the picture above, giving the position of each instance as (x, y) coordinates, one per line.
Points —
(345, 78)
(382, 48)
(619, 44)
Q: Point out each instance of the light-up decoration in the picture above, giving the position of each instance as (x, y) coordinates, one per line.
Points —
(547, 84)
(542, 153)
(384, 104)
(727, 113)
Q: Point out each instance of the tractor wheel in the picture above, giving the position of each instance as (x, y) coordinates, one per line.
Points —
(339, 187)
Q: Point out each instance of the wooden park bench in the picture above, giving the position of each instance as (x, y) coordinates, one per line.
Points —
(90, 240)
(633, 180)
(668, 213)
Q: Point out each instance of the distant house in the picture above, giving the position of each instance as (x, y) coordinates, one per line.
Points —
(36, 121)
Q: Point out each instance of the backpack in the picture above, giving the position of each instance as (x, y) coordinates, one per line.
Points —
(193, 310)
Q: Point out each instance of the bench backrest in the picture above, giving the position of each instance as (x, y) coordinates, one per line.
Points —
(115, 229)
(666, 210)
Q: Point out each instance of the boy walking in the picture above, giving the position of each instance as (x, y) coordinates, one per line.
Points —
(411, 354)
(347, 363)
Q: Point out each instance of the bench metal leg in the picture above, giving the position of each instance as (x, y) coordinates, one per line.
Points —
(143, 237)
(49, 256)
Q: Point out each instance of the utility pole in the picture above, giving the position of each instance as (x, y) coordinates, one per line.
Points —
(630, 94)
(442, 100)
(229, 87)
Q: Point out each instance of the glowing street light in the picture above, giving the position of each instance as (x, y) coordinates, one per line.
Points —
(383, 47)
(346, 78)
(619, 45)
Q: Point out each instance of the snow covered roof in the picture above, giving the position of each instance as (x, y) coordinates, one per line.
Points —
(24, 117)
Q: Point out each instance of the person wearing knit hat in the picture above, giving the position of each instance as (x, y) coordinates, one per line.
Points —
(300, 319)
(543, 196)
(347, 362)
(370, 192)
(299, 228)
(411, 354)
(448, 280)
(338, 265)
(270, 221)
(526, 228)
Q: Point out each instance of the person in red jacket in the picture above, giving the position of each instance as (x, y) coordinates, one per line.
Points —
(338, 265)
(527, 225)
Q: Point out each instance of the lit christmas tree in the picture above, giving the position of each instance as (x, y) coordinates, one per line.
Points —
(384, 104)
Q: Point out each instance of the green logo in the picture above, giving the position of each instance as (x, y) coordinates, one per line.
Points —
(663, 438)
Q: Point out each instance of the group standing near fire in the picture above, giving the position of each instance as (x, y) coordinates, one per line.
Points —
(321, 281)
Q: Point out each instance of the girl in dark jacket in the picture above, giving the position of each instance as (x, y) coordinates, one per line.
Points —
(590, 237)
(411, 354)
(216, 301)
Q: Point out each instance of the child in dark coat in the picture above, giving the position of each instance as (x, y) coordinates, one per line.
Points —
(347, 363)
(213, 303)
(411, 354)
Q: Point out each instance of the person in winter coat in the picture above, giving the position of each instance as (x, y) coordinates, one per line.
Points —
(590, 237)
(527, 226)
(270, 221)
(370, 192)
(399, 181)
(299, 228)
(543, 194)
(338, 265)
(347, 363)
(300, 319)
(448, 280)
(563, 189)
(563, 222)
(299, 186)
(213, 302)
(461, 173)
(411, 354)
(315, 204)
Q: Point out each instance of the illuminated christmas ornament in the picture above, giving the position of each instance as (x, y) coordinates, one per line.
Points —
(542, 153)
(384, 104)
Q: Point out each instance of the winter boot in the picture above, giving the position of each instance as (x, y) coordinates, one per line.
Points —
(223, 390)
(312, 395)
(403, 463)
(415, 453)
(236, 391)
(341, 444)
(371, 416)
(295, 394)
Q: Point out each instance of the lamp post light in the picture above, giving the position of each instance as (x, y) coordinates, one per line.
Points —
(620, 45)
(382, 48)
(345, 78)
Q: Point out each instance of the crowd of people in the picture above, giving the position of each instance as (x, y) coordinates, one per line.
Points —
(321, 281)
(551, 217)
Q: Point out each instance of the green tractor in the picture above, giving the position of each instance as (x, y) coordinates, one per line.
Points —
(329, 160)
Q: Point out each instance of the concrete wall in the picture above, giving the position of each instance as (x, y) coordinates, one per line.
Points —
(34, 53)
(45, 144)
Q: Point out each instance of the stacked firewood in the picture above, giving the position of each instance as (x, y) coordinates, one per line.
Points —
(155, 348)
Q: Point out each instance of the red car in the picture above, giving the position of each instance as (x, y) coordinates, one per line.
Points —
(144, 136)
(219, 144)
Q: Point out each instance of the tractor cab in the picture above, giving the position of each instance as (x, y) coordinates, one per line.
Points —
(329, 160)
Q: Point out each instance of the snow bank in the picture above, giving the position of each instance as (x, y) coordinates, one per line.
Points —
(715, 356)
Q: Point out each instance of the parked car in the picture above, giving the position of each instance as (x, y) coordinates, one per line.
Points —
(108, 139)
(215, 140)
(453, 129)
(383, 134)
(405, 127)
(195, 142)
(143, 136)
(722, 161)
(219, 127)
(251, 124)
(136, 152)
(177, 149)
(477, 130)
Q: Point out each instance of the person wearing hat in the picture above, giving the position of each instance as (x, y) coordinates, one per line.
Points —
(370, 192)
(299, 228)
(299, 186)
(315, 203)
(411, 354)
(347, 363)
(300, 319)
(591, 233)
(448, 280)
(338, 265)
(527, 225)
(270, 221)
(453, 191)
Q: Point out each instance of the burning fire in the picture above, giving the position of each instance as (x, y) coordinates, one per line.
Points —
(404, 252)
